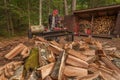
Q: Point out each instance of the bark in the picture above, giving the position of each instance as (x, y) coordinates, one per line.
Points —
(57, 71)
(73, 5)
(11, 24)
(65, 7)
(40, 13)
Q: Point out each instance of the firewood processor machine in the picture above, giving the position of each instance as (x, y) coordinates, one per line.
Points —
(50, 35)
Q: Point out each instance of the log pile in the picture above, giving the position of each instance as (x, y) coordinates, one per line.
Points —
(101, 25)
(48, 60)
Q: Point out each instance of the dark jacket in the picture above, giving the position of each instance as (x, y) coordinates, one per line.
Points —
(56, 20)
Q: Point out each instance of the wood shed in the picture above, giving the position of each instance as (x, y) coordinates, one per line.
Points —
(103, 21)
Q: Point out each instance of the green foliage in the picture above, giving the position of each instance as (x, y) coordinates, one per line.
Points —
(84, 4)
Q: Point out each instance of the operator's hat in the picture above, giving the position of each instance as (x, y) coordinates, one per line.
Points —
(55, 11)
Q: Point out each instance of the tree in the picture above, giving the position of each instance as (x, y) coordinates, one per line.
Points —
(73, 5)
(7, 18)
(40, 12)
(65, 7)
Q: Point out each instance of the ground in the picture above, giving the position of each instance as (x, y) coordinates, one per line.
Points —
(7, 44)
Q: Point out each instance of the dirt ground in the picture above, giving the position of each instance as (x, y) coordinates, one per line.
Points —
(8, 44)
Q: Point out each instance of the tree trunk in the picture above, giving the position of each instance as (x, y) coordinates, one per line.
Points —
(65, 7)
(7, 17)
(29, 13)
(11, 24)
(40, 12)
(73, 5)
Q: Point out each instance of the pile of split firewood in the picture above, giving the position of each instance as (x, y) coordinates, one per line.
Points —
(100, 25)
(104, 25)
(85, 59)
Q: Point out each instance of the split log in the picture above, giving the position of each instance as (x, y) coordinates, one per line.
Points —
(117, 55)
(18, 75)
(48, 78)
(88, 52)
(9, 70)
(106, 60)
(87, 40)
(43, 57)
(71, 71)
(83, 47)
(7, 74)
(51, 57)
(2, 77)
(111, 49)
(17, 64)
(25, 53)
(56, 44)
(113, 75)
(98, 45)
(90, 76)
(41, 39)
(106, 76)
(77, 54)
(110, 72)
(93, 67)
(62, 65)
(32, 76)
(57, 71)
(2, 70)
(46, 70)
(110, 64)
(15, 51)
(71, 60)
(91, 59)
(55, 49)
(75, 45)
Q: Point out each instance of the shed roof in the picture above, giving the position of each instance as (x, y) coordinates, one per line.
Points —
(101, 11)
(98, 9)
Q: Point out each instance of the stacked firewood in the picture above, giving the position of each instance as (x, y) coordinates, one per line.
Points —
(103, 25)
(48, 60)
(84, 24)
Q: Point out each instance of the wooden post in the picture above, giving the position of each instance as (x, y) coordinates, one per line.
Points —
(92, 23)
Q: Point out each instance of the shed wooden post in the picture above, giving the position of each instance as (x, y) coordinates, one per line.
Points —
(117, 27)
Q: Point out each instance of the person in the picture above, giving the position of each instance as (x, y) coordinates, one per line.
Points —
(54, 19)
